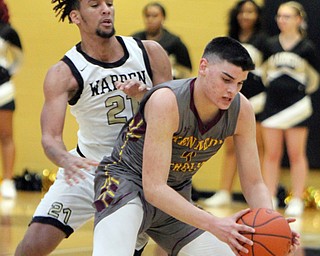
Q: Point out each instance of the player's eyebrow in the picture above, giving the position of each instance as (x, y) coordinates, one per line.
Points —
(227, 74)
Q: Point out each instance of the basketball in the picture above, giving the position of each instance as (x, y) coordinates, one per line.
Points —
(272, 236)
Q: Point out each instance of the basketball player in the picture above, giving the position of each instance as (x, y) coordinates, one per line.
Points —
(86, 79)
(145, 185)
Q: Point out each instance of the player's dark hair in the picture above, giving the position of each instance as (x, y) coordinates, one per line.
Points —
(157, 4)
(230, 50)
(234, 27)
(64, 7)
(4, 12)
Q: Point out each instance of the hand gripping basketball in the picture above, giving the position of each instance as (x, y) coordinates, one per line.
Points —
(272, 235)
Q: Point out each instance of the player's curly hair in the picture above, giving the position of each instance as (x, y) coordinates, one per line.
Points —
(4, 12)
(64, 7)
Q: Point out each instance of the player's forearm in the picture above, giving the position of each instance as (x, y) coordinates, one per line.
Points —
(172, 203)
(55, 150)
(258, 196)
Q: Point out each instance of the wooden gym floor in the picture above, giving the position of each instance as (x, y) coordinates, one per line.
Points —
(15, 216)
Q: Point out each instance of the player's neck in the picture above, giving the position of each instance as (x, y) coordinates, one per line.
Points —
(105, 50)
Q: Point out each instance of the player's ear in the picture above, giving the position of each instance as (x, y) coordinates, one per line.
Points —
(203, 66)
(75, 16)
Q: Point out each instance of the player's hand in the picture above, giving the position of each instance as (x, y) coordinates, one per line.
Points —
(72, 166)
(133, 88)
(229, 231)
(295, 242)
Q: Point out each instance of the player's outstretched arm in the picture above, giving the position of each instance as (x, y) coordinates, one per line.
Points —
(255, 191)
(59, 86)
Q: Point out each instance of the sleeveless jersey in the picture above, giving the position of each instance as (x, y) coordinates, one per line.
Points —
(290, 77)
(119, 177)
(192, 145)
(99, 108)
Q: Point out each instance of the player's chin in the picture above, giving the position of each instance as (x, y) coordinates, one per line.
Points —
(225, 106)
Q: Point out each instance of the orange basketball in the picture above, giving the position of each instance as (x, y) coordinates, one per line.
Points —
(272, 236)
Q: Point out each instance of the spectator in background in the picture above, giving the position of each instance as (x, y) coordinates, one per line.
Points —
(154, 15)
(244, 26)
(10, 61)
(291, 74)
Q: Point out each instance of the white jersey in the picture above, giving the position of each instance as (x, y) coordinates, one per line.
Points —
(99, 108)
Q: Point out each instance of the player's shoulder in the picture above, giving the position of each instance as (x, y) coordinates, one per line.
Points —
(60, 68)
(151, 45)
(162, 105)
(245, 104)
(161, 96)
(60, 74)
